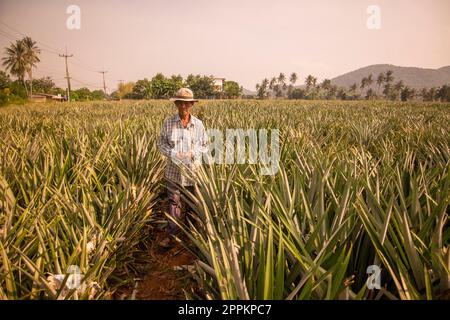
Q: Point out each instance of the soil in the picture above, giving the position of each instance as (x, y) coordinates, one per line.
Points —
(160, 277)
(162, 281)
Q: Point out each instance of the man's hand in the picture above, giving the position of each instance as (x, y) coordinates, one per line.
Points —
(190, 155)
(185, 155)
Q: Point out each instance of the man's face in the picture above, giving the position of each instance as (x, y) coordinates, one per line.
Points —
(184, 107)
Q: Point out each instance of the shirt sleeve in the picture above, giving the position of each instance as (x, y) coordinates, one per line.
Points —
(163, 141)
(202, 143)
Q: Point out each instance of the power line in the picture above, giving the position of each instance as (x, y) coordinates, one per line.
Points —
(7, 35)
(50, 48)
(87, 84)
(50, 51)
(84, 65)
(12, 37)
(45, 69)
(44, 74)
(41, 70)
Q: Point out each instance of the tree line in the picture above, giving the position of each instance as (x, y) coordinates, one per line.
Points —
(19, 60)
(13, 91)
(164, 87)
(385, 88)
(22, 56)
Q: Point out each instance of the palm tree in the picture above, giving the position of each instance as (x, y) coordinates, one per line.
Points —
(399, 85)
(331, 91)
(369, 80)
(363, 83)
(264, 85)
(341, 94)
(366, 81)
(380, 79)
(16, 61)
(370, 94)
(387, 91)
(389, 77)
(407, 93)
(32, 53)
(282, 84)
(281, 78)
(272, 83)
(314, 85)
(353, 88)
(259, 91)
(293, 78)
(310, 82)
(278, 91)
(326, 84)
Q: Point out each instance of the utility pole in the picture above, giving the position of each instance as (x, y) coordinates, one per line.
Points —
(104, 85)
(67, 73)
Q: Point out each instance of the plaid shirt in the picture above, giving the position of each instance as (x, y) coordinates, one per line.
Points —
(175, 138)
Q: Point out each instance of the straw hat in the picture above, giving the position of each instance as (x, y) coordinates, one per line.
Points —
(184, 94)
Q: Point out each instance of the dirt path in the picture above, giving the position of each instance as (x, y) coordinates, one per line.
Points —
(162, 272)
(164, 280)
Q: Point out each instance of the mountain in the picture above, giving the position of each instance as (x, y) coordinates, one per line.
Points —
(417, 78)
(247, 92)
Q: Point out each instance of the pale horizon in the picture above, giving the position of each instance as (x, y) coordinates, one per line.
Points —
(240, 41)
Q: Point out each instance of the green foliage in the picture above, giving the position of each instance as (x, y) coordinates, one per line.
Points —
(97, 95)
(73, 187)
(444, 93)
(74, 96)
(359, 183)
(407, 93)
(43, 85)
(5, 80)
(232, 90)
(81, 94)
(202, 86)
(20, 58)
(162, 87)
(16, 59)
(12, 92)
(124, 90)
(372, 190)
(84, 94)
(298, 94)
(371, 94)
(142, 89)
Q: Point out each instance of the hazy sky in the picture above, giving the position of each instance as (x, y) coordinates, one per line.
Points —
(239, 40)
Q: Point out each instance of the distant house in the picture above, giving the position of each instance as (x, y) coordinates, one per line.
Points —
(219, 84)
(45, 97)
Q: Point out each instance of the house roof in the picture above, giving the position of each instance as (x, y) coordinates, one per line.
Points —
(43, 95)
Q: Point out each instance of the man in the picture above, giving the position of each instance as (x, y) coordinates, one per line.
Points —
(183, 141)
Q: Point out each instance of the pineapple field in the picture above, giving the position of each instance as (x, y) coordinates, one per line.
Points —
(360, 184)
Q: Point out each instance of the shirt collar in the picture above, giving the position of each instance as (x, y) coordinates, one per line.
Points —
(191, 119)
